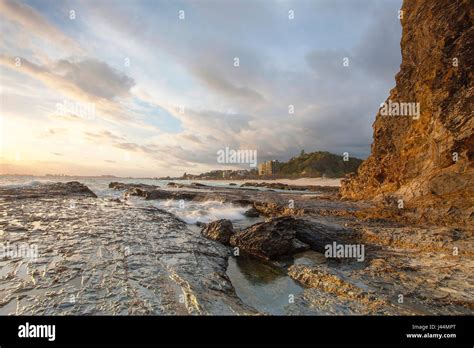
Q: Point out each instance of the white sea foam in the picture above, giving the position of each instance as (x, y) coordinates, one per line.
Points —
(22, 183)
(192, 212)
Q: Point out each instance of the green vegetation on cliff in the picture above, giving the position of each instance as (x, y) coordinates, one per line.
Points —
(317, 164)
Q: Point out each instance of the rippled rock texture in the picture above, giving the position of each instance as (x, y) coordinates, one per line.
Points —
(427, 162)
(96, 256)
(406, 270)
(330, 293)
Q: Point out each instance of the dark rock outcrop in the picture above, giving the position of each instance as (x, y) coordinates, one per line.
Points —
(173, 184)
(161, 194)
(317, 235)
(427, 162)
(269, 240)
(220, 231)
(71, 189)
(278, 237)
(135, 191)
(252, 212)
(272, 185)
(197, 184)
(152, 193)
(121, 186)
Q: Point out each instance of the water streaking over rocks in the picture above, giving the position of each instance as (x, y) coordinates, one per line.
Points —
(206, 211)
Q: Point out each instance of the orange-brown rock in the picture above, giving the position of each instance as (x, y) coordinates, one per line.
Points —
(427, 162)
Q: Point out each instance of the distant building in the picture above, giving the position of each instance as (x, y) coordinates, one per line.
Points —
(268, 168)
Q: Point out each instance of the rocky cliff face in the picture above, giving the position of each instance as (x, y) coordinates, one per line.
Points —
(425, 159)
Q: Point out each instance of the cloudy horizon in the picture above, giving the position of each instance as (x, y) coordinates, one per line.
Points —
(157, 88)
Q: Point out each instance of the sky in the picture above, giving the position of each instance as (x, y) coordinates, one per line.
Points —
(151, 88)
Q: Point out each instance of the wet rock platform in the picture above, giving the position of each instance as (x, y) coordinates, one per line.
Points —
(89, 255)
(96, 256)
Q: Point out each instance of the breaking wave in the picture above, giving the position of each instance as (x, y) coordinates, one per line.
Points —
(192, 212)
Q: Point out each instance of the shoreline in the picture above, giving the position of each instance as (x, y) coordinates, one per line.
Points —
(331, 182)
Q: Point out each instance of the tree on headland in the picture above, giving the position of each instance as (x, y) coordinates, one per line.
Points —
(316, 164)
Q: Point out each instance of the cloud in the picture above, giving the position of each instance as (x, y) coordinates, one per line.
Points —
(329, 64)
(95, 77)
(36, 24)
(192, 138)
(56, 131)
(376, 55)
(87, 81)
(132, 147)
(379, 51)
(213, 122)
(220, 85)
(104, 135)
(47, 76)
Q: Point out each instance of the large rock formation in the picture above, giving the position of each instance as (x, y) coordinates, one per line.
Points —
(427, 162)
(271, 239)
(66, 189)
(219, 230)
